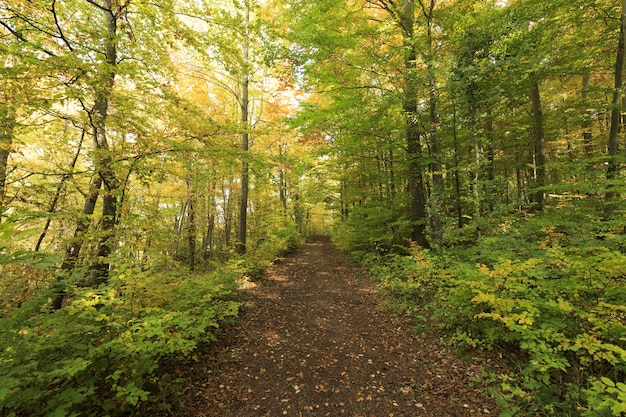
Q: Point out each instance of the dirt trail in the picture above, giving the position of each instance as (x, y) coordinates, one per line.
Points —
(312, 342)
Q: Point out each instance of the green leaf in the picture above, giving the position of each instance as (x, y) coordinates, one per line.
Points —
(607, 382)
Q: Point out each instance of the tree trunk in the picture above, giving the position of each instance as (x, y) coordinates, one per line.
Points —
(457, 179)
(73, 250)
(245, 140)
(344, 203)
(417, 207)
(612, 148)
(586, 120)
(191, 225)
(227, 200)
(491, 169)
(207, 246)
(436, 197)
(540, 145)
(7, 125)
(473, 109)
(283, 181)
(392, 177)
(99, 270)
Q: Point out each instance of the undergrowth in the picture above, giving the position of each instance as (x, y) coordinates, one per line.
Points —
(548, 294)
(100, 354)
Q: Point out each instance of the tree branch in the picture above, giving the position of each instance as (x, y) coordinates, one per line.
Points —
(56, 22)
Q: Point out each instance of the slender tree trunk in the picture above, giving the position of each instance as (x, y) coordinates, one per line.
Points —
(457, 179)
(344, 201)
(586, 120)
(245, 140)
(7, 125)
(417, 208)
(103, 160)
(191, 225)
(207, 245)
(59, 190)
(208, 242)
(436, 198)
(612, 148)
(539, 146)
(519, 180)
(491, 168)
(73, 250)
(473, 109)
(392, 177)
(283, 181)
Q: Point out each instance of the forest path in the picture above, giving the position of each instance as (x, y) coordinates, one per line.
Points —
(312, 342)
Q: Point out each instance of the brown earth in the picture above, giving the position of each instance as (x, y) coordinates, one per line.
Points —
(313, 342)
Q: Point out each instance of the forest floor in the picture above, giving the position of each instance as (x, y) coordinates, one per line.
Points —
(313, 341)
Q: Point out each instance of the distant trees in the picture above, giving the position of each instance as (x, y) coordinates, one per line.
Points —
(500, 100)
(491, 133)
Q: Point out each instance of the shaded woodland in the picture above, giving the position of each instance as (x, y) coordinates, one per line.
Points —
(155, 156)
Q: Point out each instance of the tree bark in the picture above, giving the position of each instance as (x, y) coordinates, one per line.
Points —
(457, 179)
(99, 270)
(207, 245)
(473, 109)
(586, 120)
(539, 146)
(616, 108)
(436, 197)
(283, 181)
(191, 225)
(417, 207)
(7, 126)
(491, 168)
(73, 250)
(245, 140)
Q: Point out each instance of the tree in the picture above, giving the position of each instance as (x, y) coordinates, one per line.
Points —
(616, 116)
(403, 13)
(245, 135)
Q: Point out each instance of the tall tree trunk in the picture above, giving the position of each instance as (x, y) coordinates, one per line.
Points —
(344, 203)
(417, 208)
(207, 245)
(73, 250)
(245, 139)
(392, 177)
(491, 169)
(191, 225)
(7, 126)
(539, 146)
(283, 180)
(436, 197)
(519, 180)
(586, 120)
(99, 270)
(457, 179)
(616, 108)
(227, 200)
(473, 109)
(403, 12)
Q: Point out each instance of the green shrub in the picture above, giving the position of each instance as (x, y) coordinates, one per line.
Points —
(100, 354)
(554, 307)
(271, 242)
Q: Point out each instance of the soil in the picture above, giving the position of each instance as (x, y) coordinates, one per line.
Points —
(313, 341)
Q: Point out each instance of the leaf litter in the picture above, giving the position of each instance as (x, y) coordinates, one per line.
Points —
(312, 342)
